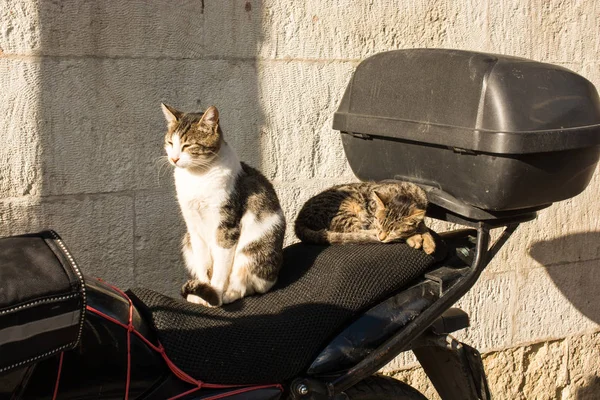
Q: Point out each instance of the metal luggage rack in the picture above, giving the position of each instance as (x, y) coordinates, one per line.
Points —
(453, 284)
(401, 341)
(445, 207)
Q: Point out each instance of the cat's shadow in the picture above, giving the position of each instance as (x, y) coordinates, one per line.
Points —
(290, 273)
(262, 345)
(573, 264)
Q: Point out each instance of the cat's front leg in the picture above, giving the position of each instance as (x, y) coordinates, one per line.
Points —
(222, 266)
(195, 291)
(428, 243)
(422, 239)
(198, 262)
(197, 257)
(238, 280)
(415, 241)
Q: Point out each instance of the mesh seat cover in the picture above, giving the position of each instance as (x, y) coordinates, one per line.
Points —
(276, 336)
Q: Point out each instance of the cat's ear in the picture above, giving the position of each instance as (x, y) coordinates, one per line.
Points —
(417, 214)
(171, 114)
(380, 200)
(211, 116)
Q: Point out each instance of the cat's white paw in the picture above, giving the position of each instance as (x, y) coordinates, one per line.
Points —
(192, 298)
(232, 295)
(415, 241)
(428, 243)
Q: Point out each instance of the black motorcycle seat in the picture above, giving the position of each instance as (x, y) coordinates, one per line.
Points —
(274, 337)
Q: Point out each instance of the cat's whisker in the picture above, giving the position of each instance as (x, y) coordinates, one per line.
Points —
(198, 163)
(162, 162)
(216, 155)
(161, 159)
(164, 166)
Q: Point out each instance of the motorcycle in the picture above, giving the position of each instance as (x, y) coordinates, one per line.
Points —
(476, 131)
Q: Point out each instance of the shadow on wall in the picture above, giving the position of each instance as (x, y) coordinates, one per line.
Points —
(573, 264)
(105, 68)
(591, 391)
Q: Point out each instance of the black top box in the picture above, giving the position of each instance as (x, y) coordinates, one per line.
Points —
(484, 134)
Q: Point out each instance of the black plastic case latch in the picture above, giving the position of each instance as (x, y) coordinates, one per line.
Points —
(360, 135)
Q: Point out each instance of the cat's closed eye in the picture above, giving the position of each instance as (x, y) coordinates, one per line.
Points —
(185, 146)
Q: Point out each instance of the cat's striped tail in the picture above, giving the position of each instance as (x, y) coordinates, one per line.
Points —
(324, 236)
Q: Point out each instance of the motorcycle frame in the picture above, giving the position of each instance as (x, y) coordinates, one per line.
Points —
(434, 351)
(401, 342)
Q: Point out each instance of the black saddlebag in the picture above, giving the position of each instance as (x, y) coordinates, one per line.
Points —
(42, 299)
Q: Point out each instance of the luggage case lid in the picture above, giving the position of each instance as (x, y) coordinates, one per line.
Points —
(470, 101)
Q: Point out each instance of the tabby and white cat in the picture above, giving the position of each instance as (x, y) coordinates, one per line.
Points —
(235, 225)
(366, 212)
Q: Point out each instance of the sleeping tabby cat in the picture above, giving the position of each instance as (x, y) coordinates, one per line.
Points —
(235, 225)
(366, 212)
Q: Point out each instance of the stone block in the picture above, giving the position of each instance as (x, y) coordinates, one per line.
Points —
(551, 31)
(546, 370)
(101, 128)
(563, 31)
(87, 142)
(235, 29)
(556, 301)
(20, 172)
(354, 30)
(19, 27)
(558, 369)
(490, 304)
(504, 370)
(132, 29)
(510, 25)
(591, 71)
(297, 139)
(98, 230)
(583, 366)
(159, 229)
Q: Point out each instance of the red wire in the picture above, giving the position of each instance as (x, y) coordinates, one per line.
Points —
(160, 349)
(185, 393)
(60, 363)
(130, 328)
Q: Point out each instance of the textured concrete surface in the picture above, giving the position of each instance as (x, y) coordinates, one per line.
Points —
(82, 140)
(98, 229)
(562, 369)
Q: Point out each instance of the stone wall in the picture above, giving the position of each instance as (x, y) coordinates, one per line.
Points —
(565, 368)
(82, 140)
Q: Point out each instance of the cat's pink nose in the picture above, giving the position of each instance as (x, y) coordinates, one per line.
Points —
(174, 159)
(382, 236)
